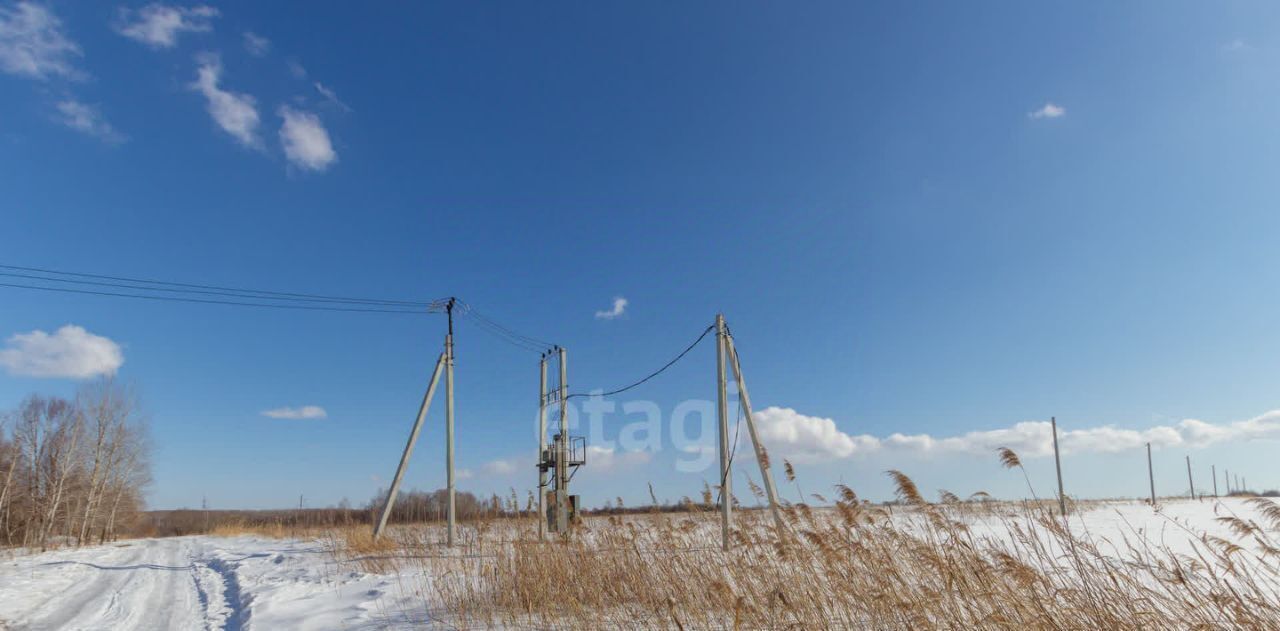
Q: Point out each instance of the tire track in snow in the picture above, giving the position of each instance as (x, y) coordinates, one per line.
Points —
(237, 602)
(143, 586)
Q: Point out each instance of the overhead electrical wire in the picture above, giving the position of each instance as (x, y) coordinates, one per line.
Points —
(503, 333)
(207, 301)
(171, 290)
(651, 375)
(235, 291)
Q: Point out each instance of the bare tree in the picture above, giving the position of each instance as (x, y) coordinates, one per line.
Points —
(72, 467)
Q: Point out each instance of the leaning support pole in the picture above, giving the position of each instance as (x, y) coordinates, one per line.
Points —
(408, 449)
(1151, 476)
(762, 458)
(448, 423)
(1213, 473)
(1190, 480)
(1057, 462)
(722, 408)
(542, 446)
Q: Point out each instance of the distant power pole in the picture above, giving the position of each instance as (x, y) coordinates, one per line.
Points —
(1190, 481)
(1213, 473)
(1057, 461)
(1151, 476)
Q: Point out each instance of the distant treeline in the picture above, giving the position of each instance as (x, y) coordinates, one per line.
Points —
(411, 507)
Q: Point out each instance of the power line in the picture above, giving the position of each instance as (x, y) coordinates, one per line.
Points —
(651, 375)
(254, 293)
(503, 333)
(208, 301)
(187, 291)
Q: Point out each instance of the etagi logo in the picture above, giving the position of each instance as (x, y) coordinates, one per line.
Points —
(642, 427)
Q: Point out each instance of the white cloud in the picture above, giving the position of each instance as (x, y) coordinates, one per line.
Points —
(1234, 45)
(795, 436)
(619, 307)
(812, 439)
(464, 474)
(33, 45)
(1048, 111)
(331, 96)
(236, 114)
(296, 69)
(257, 45)
(501, 467)
(304, 412)
(88, 120)
(158, 25)
(607, 458)
(306, 143)
(71, 352)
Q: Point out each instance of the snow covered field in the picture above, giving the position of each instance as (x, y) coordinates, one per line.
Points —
(199, 583)
(204, 582)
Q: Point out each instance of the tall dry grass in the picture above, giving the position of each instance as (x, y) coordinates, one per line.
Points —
(951, 564)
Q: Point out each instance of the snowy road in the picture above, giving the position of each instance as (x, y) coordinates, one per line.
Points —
(200, 583)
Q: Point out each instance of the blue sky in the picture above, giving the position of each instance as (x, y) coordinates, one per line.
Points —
(934, 220)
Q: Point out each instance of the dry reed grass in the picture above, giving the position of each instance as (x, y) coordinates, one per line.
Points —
(851, 566)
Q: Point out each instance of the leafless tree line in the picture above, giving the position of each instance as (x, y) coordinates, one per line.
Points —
(73, 471)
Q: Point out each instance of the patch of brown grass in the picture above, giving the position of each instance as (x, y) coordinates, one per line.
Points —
(849, 566)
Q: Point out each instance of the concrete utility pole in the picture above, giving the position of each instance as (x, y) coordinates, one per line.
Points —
(1151, 476)
(1190, 480)
(762, 458)
(722, 401)
(1213, 473)
(408, 448)
(542, 445)
(562, 463)
(1226, 479)
(1057, 461)
(448, 419)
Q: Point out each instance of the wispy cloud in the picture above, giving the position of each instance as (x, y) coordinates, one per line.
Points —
(1049, 110)
(305, 140)
(158, 25)
(619, 308)
(236, 114)
(33, 45)
(70, 352)
(815, 439)
(87, 120)
(255, 44)
(298, 413)
(607, 458)
(331, 96)
(502, 466)
(1235, 45)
